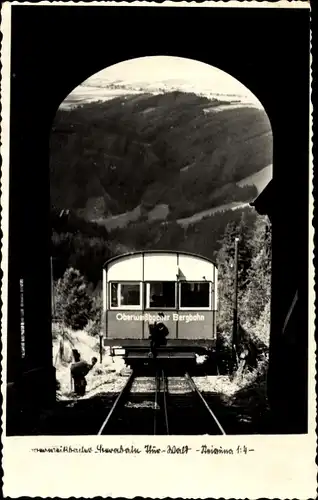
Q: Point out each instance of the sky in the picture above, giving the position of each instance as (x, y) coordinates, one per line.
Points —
(168, 72)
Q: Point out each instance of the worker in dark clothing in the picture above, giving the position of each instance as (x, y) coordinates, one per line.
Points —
(158, 333)
(79, 370)
(76, 355)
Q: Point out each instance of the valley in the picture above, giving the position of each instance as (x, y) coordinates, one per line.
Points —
(154, 170)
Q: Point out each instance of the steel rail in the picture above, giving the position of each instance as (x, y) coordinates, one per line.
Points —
(165, 391)
(198, 392)
(116, 403)
(157, 391)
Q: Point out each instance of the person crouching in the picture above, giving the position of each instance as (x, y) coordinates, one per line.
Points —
(79, 370)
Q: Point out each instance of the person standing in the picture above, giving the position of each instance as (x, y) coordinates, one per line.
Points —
(158, 333)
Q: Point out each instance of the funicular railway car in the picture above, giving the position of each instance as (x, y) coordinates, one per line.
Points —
(176, 288)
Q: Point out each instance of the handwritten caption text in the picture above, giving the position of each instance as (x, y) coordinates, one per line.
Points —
(148, 449)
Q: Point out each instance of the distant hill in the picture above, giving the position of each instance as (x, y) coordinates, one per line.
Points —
(165, 171)
(168, 155)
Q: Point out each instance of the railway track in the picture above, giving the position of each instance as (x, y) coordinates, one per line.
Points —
(161, 397)
(160, 412)
(117, 404)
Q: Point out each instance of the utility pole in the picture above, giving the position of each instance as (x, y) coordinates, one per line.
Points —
(234, 334)
(100, 347)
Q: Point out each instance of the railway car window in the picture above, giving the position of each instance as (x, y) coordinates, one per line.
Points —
(114, 294)
(195, 295)
(161, 294)
(125, 294)
(130, 295)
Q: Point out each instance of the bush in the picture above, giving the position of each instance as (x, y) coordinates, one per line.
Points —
(252, 379)
(94, 325)
(224, 353)
(93, 328)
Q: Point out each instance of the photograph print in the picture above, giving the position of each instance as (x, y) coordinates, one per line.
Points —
(174, 230)
(161, 266)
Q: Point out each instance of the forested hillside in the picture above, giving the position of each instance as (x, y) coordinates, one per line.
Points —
(178, 149)
(202, 237)
(80, 244)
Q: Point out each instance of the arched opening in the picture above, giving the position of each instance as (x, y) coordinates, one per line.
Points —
(166, 153)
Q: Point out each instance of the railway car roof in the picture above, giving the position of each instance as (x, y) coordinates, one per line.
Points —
(143, 252)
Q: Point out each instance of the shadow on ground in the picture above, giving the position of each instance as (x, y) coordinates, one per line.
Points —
(243, 414)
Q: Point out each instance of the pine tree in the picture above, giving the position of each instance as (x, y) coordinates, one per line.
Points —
(256, 300)
(225, 262)
(254, 280)
(73, 304)
(244, 231)
(226, 267)
(96, 315)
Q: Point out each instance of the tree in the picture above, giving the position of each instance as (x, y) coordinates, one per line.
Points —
(245, 232)
(73, 303)
(254, 286)
(226, 265)
(97, 310)
(225, 262)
